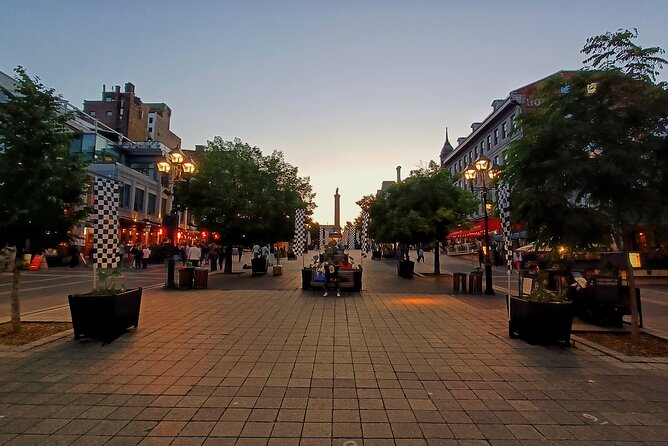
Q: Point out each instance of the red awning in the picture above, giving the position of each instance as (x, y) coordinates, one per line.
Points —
(478, 229)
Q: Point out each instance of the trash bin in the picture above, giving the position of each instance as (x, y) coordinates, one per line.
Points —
(186, 276)
(475, 282)
(201, 278)
(459, 283)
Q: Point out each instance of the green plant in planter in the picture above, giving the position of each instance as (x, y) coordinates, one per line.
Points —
(541, 293)
(107, 280)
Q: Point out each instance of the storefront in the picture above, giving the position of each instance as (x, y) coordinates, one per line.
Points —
(468, 241)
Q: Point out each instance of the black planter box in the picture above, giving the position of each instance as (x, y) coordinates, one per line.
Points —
(105, 316)
(405, 268)
(259, 266)
(540, 322)
(307, 273)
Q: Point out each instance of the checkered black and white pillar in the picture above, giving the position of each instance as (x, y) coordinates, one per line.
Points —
(321, 243)
(105, 226)
(365, 230)
(351, 238)
(503, 194)
(300, 233)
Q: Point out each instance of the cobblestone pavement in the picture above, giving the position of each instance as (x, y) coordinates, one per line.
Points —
(258, 361)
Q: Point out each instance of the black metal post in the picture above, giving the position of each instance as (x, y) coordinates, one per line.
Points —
(171, 266)
(489, 285)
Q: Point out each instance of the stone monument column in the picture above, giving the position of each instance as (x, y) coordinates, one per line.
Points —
(337, 209)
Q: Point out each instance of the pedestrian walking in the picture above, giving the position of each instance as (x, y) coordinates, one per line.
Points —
(420, 255)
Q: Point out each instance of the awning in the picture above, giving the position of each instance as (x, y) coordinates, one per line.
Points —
(478, 229)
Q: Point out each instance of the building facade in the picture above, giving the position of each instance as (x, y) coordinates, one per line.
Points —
(491, 138)
(125, 113)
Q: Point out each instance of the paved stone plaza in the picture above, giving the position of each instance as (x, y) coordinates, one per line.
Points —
(258, 361)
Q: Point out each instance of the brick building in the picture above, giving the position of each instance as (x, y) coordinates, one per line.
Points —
(124, 112)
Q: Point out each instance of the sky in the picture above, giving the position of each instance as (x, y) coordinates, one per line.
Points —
(347, 90)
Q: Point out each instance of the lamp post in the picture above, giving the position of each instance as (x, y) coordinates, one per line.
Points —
(179, 166)
(482, 166)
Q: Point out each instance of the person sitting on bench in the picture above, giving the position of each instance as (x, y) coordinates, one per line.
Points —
(332, 279)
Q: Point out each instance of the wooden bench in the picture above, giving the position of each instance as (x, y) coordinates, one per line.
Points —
(347, 280)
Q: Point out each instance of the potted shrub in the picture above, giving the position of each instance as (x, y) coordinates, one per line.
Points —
(106, 311)
(542, 315)
(307, 271)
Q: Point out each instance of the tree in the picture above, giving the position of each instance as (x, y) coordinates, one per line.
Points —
(42, 184)
(592, 161)
(616, 51)
(244, 195)
(420, 209)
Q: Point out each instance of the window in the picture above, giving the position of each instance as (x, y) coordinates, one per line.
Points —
(93, 113)
(151, 204)
(512, 122)
(163, 207)
(150, 120)
(496, 160)
(460, 166)
(121, 112)
(109, 113)
(471, 156)
(475, 151)
(496, 136)
(125, 196)
(108, 99)
(150, 129)
(489, 142)
(482, 146)
(504, 130)
(139, 200)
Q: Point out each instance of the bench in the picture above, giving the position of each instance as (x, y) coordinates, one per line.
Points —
(350, 280)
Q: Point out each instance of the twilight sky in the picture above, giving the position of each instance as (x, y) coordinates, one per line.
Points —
(348, 90)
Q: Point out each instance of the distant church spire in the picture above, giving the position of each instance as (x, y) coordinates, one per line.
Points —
(447, 149)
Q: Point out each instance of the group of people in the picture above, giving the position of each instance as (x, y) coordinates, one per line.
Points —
(207, 254)
(136, 256)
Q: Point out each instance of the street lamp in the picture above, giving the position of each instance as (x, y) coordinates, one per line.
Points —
(179, 165)
(482, 166)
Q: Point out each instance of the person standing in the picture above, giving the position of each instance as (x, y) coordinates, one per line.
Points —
(121, 255)
(213, 258)
(145, 254)
(240, 250)
(222, 256)
(517, 260)
(139, 255)
(194, 255)
(420, 255)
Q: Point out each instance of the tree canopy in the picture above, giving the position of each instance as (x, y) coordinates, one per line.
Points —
(420, 209)
(42, 184)
(592, 159)
(244, 195)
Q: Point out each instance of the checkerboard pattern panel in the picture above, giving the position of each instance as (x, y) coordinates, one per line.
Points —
(365, 230)
(300, 233)
(503, 194)
(322, 238)
(351, 238)
(105, 226)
